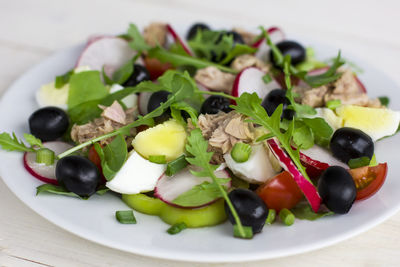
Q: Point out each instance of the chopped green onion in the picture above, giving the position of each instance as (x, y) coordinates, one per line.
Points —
(125, 216)
(333, 104)
(45, 155)
(176, 165)
(241, 152)
(267, 78)
(286, 217)
(159, 159)
(384, 100)
(271, 216)
(248, 232)
(176, 228)
(359, 162)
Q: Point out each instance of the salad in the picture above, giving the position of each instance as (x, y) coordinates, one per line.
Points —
(225, 124)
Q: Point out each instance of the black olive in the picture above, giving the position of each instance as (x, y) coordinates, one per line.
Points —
(194, 28)
(337, 189)
(48, 123)
(350, 143)
(294, 49)
(273, 99)
(140, 74)
(78, 175)
(251, 209)
(156, 99)
(215, 104)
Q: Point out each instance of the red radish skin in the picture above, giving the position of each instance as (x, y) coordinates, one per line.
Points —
(179, 40)
(308, 189)
(42, 172)
(169, 188)
(314, 168)
(274, 32)
(250, 81)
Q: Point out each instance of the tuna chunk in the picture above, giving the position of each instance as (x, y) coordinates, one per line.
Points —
(245, 61)
(215, 80)
(155, 34)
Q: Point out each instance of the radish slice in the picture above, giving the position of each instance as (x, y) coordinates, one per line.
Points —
(308, 189)
(168, 188)
(45, 173)
(250, 80)
(143, 100)
(276, 36)
(179, 40)
(110, 52)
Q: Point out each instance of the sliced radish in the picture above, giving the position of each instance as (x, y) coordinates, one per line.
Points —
(168, 188)
(308, 189)
(108, 52)
(250, 80)
(143, 100)
(179, 40)
(276, 36)
(45, 173)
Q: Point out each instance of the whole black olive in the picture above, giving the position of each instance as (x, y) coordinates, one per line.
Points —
(78, 175)
(294, 49)
(48, 123)
(337, 189)
(156, 99)
(350, 143)
(194, 28)
(215, 104)
(140, 74)
(251, 209)
(273, 99)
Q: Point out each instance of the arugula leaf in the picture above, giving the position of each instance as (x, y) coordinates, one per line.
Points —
(303, 136)
(305, 212)
(11, 143)
(176, 109)
(85, 86)
(56, 189)
(184, 60)
(62, 80)
(238, 49)
(32, 140)
(321, 130)
(112, 156)
(138, 43)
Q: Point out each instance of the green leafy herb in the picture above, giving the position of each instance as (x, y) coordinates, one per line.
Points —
(197, 147)
(267, 78)
(333, 104)
(32, 140)
(321, 130)
(359, 162)
(241, 152)
(384, 100)
(271, 216)
(85, 86)
(62, 80)
(238, 49)
(138, 43)
(176, 109)
(112, 156)
(286, 217)
(304, 212)
(159, 159)
(176, 165)
(185, 60)
(176, 228)
(303, 137)
(125, 217)
(56, 189)
(247, 232)
(311, 63)
(122, 74)
(11, 143)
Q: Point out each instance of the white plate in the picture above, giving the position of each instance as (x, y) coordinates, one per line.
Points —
(94, 219)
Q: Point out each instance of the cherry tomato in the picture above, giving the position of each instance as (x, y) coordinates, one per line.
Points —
(280, 192)
(155, 67)
(368, 180)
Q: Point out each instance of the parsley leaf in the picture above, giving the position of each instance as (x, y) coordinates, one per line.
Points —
(11, 143)
(211, 44)
(384, 100)
(32, 140)
(303, 136)
(176, 109)
(138, 43)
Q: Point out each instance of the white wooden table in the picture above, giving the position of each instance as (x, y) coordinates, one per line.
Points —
(31, 30)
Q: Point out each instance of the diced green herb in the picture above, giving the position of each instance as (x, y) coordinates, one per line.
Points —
(384, 100)
(267, 78)
(241, 152)
(359, 162)
(303, 211)
(333, 104)
(176, 165)
(176, 228)
(45, 155)
(11, 143)
(286, 217)
(271, 216)
(125, 217)
(62, 80)
(159, 159)
(248, 232)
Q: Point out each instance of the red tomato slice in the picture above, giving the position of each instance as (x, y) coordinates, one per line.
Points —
(155, 67)
(280, 192)
(368, 180)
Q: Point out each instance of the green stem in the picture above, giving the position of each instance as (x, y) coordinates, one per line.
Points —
(217, 93)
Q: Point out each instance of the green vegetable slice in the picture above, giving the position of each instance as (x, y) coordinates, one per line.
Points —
(125, 216)
(45, 155)
(286, 217)
(176, 228)
(176, 165)
(241, 152)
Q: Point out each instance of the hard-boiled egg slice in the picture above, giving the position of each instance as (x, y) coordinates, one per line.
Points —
(136, 175)
(49, 95)
(376, 122)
